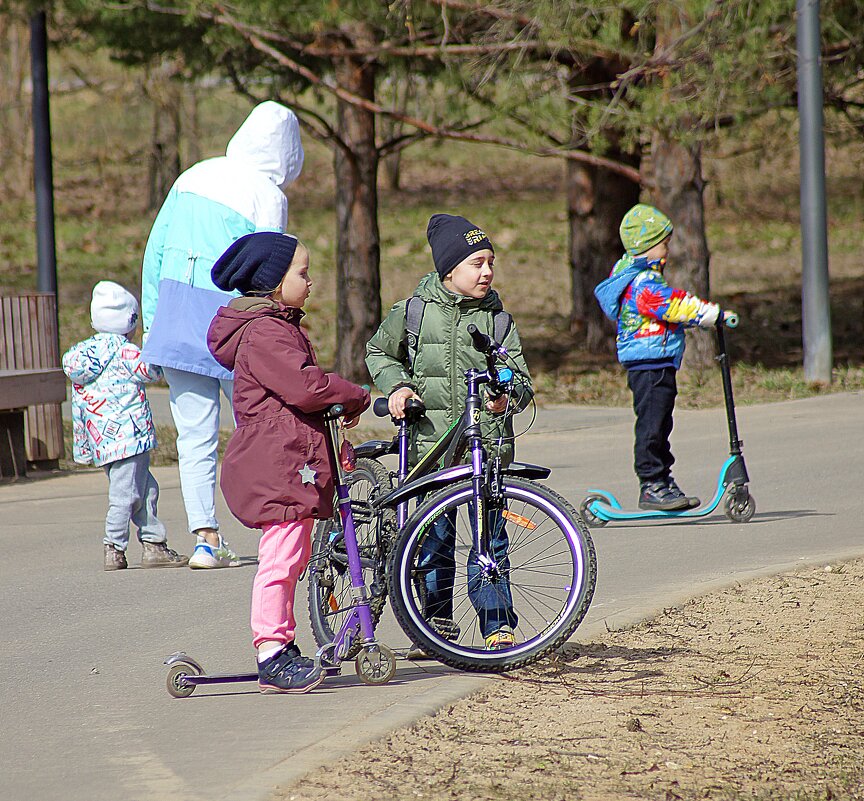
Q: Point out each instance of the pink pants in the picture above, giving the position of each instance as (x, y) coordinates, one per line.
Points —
(283, 553)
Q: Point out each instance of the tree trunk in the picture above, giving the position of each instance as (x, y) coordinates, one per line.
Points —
(596, 201)
(679, 192)
(165, 91)
(393, 171)
(16, 154)
(193, 125)
(358, 249)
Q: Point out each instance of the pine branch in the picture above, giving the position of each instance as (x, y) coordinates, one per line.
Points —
(421, 125)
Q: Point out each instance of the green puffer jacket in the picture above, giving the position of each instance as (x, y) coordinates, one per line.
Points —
(443, 355)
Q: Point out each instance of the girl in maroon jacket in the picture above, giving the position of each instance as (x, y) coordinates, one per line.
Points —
(276, 474)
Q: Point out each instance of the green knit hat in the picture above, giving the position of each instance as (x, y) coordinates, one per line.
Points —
(643, 227)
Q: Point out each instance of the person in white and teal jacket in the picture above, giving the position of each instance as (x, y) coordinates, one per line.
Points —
(212, 204)
(112, 427)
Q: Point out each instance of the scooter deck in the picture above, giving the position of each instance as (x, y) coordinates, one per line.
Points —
(608, 508)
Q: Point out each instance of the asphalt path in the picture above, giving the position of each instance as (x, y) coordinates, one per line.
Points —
(84, 714)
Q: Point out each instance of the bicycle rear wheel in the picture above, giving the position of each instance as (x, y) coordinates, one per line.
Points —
(329, 580)
(543, 583)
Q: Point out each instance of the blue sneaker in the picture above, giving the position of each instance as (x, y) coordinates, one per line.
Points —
(289, 672)
(206, 556)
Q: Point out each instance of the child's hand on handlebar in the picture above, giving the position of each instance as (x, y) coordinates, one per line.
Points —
(496, 405)
(397, 400)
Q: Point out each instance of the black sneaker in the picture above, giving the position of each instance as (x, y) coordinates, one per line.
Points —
(692, 500)
(288, 672)
(657, 496)
(446, 627)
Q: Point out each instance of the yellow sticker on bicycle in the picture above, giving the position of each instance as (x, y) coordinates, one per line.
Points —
(518, 520)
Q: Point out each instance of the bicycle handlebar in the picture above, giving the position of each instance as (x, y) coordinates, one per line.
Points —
(334, 411)
(481, 342)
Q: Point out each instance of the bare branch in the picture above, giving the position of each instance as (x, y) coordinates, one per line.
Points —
(421, 125)
(486, 9)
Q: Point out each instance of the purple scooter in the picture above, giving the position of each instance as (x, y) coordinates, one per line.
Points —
(375, 664)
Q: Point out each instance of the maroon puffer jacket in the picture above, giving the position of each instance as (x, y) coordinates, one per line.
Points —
(279, 393)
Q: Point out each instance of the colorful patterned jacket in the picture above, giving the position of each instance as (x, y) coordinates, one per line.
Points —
(111, 417)
(651, 315)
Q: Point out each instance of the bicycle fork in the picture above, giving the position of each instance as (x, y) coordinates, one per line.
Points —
(359, 620)
(486, 562)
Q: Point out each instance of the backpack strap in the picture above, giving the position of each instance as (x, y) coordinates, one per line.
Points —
(414, 309)
(501, 323)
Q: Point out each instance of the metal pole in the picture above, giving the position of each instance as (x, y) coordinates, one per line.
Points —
(43, 178)
(815, 303)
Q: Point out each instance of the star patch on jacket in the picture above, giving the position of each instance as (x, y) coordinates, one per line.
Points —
(307, 475)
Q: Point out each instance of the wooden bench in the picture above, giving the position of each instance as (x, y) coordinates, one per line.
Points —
(32, 385)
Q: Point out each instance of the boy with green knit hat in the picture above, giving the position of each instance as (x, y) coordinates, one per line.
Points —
(651, 317)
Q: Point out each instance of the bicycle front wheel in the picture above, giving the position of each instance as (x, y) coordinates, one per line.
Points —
(329, 580)
(538, 581)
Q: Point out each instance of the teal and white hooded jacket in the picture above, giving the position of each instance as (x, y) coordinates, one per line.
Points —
(211, 204)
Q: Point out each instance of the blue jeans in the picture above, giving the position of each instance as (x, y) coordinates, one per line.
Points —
(491, 599)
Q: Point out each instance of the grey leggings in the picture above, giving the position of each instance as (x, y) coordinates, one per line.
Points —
(132, 495)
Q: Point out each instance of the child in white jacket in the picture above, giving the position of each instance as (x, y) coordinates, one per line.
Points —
(112, 426)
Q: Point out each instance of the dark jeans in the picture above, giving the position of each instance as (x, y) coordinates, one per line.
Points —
(491, 599)
(654, 394)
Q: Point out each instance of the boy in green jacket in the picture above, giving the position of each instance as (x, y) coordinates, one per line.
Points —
(426, 358)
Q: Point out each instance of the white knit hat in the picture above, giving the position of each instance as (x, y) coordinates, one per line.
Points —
(113, 310)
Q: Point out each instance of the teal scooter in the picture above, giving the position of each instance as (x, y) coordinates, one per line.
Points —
(600, 507)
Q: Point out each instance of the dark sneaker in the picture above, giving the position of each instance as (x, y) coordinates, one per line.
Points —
(447, 628)
(114, 559)
(657, 496)
(288, 672)
(692, 500)
(158, 554)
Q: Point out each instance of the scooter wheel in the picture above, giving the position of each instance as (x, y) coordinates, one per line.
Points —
(372, 670)
(175, 684)
(587, 515)
(740, 508)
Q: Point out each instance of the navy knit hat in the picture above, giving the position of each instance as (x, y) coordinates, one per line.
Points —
(255, 262)
(453, 239)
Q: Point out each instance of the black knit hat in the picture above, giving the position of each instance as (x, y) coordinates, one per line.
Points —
(453, 239)
(255, 262)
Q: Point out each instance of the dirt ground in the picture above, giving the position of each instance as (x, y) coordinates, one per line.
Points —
(753, 692)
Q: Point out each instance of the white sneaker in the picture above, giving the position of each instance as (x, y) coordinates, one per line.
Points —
(206, 557)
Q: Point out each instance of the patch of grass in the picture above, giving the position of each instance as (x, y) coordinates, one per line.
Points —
(163, 455)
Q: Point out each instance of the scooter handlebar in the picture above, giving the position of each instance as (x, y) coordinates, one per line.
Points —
(728, 318)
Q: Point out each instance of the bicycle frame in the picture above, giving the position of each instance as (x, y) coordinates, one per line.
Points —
(463, 435)
(359, 620)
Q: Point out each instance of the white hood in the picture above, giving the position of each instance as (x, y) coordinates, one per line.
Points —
(269, 140)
